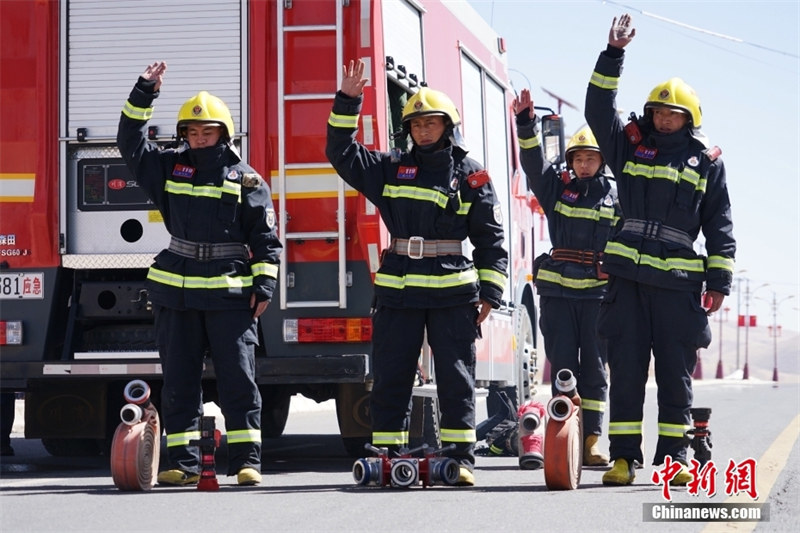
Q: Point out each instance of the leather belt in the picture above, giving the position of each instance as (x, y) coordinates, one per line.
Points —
(418, 247)
(207, 251)
(584, 257)
(656, 231)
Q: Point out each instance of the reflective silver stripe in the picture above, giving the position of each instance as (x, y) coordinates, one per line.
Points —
(718, 261)
(654, 230)
(672, 430)
(181, 439)
(343, 121)
(390, 438)
(604, 82)
(418, 247)
(457, 435)
(530, 142)
(206, 251)
(625, 428)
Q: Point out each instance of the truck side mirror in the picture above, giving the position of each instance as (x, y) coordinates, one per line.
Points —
(553, 139)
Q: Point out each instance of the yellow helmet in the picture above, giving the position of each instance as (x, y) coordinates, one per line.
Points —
(677, 94)
(205, 107)
(582, 140)
(430, 102)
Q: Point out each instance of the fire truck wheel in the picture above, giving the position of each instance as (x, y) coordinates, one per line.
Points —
(275, 403)
(525, 347)
(71, 447)
(352, 412)
(563, 454)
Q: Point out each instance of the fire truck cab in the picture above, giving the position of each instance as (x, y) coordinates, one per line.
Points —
(77, 234)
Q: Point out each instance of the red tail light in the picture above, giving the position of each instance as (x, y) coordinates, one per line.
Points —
(327, 330)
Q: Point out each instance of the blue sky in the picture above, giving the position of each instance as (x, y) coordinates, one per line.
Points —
(748, 80)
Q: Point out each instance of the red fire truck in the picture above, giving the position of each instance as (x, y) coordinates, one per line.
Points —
(77, 234)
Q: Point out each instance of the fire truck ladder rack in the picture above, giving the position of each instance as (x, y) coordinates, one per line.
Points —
(284, 99)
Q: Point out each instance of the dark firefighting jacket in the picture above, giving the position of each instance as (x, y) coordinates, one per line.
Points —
(442, 195)
(207, 197)
(670, 188)
(581, 216)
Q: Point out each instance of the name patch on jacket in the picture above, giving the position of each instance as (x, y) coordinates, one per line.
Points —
(645, 153)
(478, 179)
(406, 173)
(183, 171)
(569, 196)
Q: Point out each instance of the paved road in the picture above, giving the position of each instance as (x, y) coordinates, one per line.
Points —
(308, 484)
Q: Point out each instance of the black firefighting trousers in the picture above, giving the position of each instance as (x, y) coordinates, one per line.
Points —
(637, 319)
(397, 340)
(569, 328)
(183, 338)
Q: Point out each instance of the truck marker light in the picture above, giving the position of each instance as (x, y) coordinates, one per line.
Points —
(327, 330)
(10, 332)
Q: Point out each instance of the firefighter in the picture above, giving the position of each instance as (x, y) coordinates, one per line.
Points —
(215, 279)
(582, 213)
(431, 199)
(671, 186)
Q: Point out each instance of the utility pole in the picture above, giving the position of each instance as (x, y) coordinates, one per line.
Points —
(775, 304)
(748, 294)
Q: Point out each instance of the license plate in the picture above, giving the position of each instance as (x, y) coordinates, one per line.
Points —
(17, 285)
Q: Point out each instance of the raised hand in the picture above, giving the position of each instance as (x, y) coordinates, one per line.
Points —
(622, 32)
(353, 79)
(524, 102)
(155, 72)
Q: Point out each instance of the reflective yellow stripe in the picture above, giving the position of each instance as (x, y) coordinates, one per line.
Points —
(416, 193)
(625, 428)
(343, 121)
(672, 430)
(137, 113)
(593, 405)
(723, 263)
(207, 191)
(265, 269)
(197, 282)
(531, 142)
(666, 173)
(390, 438)
(586, 213)
(464, 209)
(182, 439)
(670, 263)
(570, 283)
(492, 276)
(243, 435)
(426, 282)
(457, 435)
(604, 82)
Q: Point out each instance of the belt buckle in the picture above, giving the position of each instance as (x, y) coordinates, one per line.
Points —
(203, 252)
(418, 241)
(652, 229)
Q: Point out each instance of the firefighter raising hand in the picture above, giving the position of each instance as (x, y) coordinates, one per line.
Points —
(353, 79)
(524, 102)
(155, 72)
(621, 33)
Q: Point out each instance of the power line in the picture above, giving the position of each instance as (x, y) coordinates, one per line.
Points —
(701, 30)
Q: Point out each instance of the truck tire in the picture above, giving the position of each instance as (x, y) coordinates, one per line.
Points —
(525, 336)
(352, 412)
(275, 403)
(71, 447)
